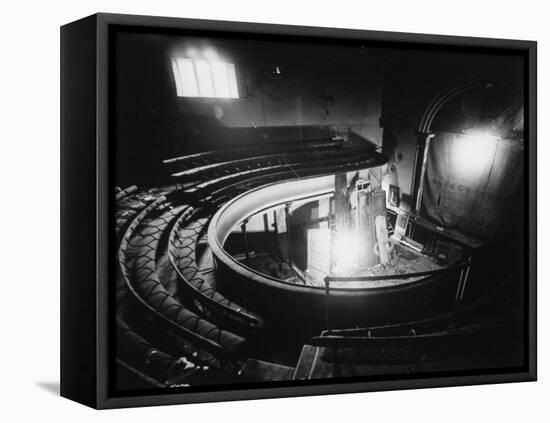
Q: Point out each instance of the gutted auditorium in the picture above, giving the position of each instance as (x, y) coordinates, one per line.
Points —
(289, 211)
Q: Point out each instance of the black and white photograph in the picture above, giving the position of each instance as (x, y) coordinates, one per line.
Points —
(275, 212)
(296, 210)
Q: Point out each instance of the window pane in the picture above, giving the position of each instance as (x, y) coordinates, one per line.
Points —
(221, 82)
(204, 75)
(184, 74)
(177, 78)
(201, 78)
(233, 90)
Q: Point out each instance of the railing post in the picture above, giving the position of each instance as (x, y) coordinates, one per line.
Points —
(327, 294)
(466, 276)
(245, 238)
(288, 240)
(463, 279)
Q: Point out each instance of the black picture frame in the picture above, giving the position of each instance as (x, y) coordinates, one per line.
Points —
(87, 203)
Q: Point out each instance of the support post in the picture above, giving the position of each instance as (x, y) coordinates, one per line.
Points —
(275, 227)
(420, 171)
(288, 241)
(266, 223)
(341, 214)
(327, 295)
(245, 239)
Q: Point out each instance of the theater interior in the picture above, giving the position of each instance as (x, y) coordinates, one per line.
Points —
(290, 211)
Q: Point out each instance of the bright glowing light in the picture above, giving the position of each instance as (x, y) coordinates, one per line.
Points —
(221, 82)
(204, 75)
(232, 77)
(345, 248)
(184, 74)
(475, 152)
(201, 78)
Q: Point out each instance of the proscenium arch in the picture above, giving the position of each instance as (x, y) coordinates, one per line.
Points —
(425, 134)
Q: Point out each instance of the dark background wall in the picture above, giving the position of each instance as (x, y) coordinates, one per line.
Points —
(322, 90)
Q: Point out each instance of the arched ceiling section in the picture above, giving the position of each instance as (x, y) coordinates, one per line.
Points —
(492, 108)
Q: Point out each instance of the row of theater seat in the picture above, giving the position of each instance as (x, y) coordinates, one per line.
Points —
(185, 313)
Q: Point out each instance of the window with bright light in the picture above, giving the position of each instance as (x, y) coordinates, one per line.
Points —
(204, 78)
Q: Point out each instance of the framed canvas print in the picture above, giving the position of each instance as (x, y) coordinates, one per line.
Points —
(255, 211)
